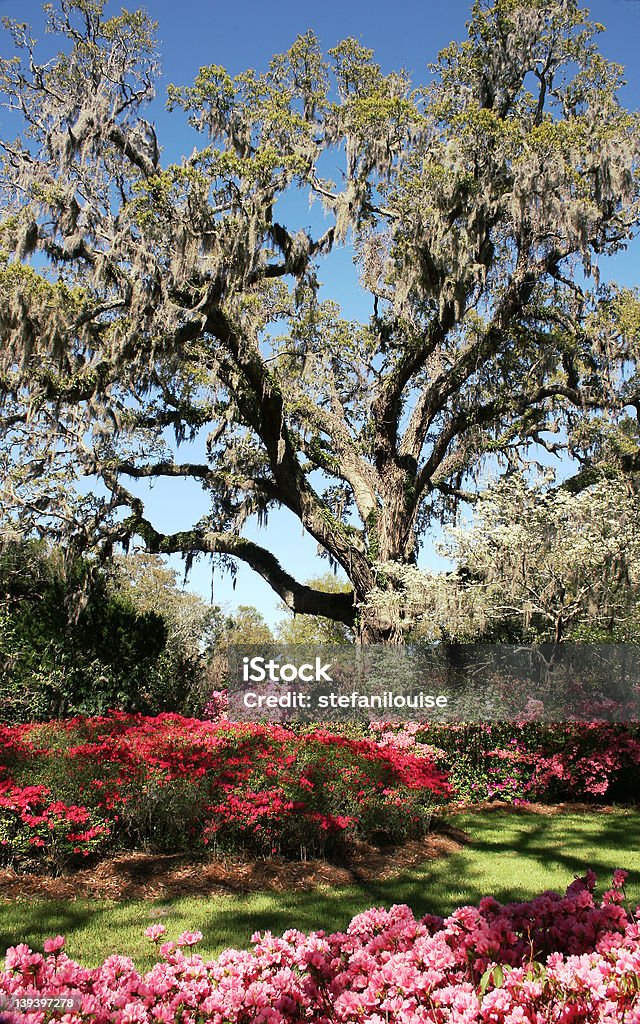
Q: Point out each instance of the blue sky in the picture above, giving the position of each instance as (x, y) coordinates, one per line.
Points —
(240, 35)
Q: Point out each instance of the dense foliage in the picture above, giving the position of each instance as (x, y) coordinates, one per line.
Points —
(142, 298)
(517, 761)
(172, 783)
(513, 762)
(67, 644)
(566, 959)
(530, 761)
(79, 639)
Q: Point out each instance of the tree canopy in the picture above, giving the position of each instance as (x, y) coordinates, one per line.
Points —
(144, 304)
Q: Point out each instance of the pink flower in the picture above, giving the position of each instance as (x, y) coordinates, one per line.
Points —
(53, 945)
(154, 931)
(133, 1013)
(472, 968)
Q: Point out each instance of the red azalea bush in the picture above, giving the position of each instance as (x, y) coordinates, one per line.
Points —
(30, 821)
(556, 958)
(172, 783)
(587, 761)
(68, 789)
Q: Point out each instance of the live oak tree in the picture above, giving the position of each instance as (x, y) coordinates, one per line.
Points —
(144, 303)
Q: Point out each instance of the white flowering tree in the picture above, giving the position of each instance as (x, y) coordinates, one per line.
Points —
(537, 562)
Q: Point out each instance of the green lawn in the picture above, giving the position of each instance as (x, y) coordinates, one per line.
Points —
(512, 855)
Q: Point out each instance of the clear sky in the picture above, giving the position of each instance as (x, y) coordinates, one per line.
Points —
(246, 34)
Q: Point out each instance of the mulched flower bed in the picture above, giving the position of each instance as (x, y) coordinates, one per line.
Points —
(137, 876)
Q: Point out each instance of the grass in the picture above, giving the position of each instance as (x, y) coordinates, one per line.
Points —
(512, 856)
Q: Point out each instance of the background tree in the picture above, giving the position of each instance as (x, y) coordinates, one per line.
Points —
(246, 625)
(59, 657)
(194, 629)
(193, 626)
(243, 625)
(137, 298)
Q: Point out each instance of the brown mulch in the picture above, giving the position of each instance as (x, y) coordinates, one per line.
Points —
(132, 876)
(137, 876)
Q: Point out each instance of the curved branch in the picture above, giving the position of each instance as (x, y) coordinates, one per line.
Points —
(189, 469)
(298, 597)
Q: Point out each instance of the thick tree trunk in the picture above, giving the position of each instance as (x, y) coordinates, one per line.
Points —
(379, 631)
(380, 623)
(390, 538)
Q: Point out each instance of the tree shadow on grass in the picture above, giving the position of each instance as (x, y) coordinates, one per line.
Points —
(511, 856)
(33, 922)
(332, 909)
(560, 841)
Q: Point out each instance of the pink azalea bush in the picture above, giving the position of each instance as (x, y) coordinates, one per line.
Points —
(560, 959)
(216, 707)
(586, 761)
